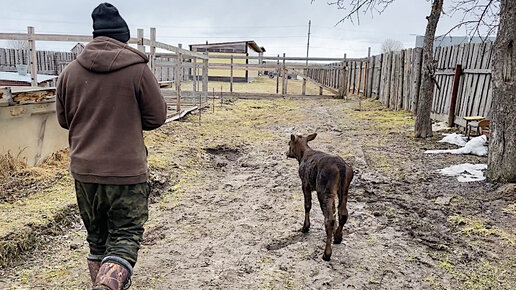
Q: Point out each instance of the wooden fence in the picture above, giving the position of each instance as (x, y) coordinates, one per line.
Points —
(49, 62)
(311, 69)
(44, 61)
(394, 79)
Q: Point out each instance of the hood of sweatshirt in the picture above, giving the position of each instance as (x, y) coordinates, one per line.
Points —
(105, 54)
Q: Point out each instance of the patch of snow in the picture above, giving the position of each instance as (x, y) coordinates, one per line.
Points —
(476, 146)
(465, 172)
(455, 139)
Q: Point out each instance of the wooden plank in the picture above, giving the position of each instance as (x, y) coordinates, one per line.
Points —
(205, 76)
(379, 77)
(277, 74)
(453, 101)
(473, 109)
(33, 57)
(401, 71)
(460, 97)
(448, 83)
(327, 59)
(484, 80)
(152, 56)
(487, 108)
(183, 52)
(392, 83)
(468, 80)
(139, 34)
(284, 75)
(194, 74)
(439, 57)
(342, 85)
(406, 79)
(231, 75)
(178, 81)
(46, 37)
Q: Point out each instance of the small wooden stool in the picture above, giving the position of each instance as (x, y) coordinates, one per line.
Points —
(472, 122)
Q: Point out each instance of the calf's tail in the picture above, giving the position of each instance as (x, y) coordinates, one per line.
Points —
(346, 175)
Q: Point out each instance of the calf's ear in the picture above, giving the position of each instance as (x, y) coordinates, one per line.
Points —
(311, 137)
(292, 137)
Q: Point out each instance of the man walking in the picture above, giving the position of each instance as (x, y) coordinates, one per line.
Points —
(105, 99)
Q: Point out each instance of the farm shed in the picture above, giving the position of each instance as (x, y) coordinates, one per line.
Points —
(78, 48)
(447, 40)
(237, 48)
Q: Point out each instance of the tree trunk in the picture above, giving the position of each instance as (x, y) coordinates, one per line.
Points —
(502, 147)
(423, 128)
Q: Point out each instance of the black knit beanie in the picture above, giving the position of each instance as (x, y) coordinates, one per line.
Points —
(108, 22)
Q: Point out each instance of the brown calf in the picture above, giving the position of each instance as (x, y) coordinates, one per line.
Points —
(330, 176)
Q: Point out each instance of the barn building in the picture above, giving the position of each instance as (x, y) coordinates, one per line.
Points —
(236, 48)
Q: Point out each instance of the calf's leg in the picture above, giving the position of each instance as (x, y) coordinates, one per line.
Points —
(327, 202)
(308, 206)
(343, 210)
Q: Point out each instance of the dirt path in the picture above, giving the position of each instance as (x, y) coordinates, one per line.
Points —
(229, 207)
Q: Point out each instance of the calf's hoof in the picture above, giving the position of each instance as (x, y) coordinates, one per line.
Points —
(304, 229)
(326, 257)
(337, 240)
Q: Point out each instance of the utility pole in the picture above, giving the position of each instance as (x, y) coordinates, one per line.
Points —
(308, 42)
(303, 92)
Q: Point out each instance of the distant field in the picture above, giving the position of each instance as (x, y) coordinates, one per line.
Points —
(260, 85)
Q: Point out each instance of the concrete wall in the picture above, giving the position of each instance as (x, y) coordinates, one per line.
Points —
(31, 129)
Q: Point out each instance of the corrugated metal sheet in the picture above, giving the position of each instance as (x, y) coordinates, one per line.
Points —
(11, 76)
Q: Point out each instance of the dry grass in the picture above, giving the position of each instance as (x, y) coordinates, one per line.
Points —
(10, 165)
(18, 180)
(260, 85)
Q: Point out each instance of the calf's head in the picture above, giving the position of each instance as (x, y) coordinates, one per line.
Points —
(298, 145)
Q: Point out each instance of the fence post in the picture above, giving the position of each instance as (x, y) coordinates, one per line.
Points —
(305, 72)
(231, 77)
(367, 73)
(456, 81)
(179, 75)
(370, 79)
(205, 76)
(360, 82)
(285, 76)
(277, 75)
(33, 57)
(139, 35)
(378, 95)
(153, 49)
(194, 75)
(343, 80)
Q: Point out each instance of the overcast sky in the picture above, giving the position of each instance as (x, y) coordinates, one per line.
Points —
(278, 25)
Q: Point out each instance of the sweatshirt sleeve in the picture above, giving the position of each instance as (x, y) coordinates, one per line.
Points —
(60, 108)
(152, 104)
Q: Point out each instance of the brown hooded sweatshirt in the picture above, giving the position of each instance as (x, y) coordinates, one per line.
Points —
(105, 99)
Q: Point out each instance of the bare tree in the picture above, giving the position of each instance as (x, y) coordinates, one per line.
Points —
(423, 128)
(502, 147)
(390, 45)
(355, 8)
(479, 17)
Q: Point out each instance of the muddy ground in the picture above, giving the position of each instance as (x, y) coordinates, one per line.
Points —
(227, 207)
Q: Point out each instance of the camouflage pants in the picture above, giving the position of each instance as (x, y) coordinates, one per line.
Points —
(113, 216)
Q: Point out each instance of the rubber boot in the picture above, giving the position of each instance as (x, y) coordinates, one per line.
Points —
(94, 263)
(114, 274)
